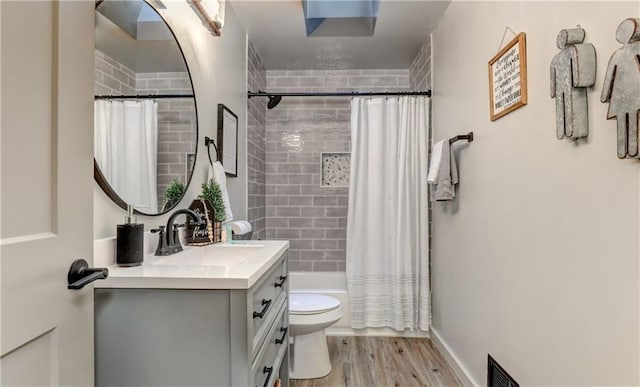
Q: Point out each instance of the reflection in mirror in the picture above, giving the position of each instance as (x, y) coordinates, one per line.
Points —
(145, 123)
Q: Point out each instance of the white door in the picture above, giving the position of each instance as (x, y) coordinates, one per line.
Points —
(46, 125)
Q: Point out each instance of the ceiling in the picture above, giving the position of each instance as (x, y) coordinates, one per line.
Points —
(277, 30)
(132, 33)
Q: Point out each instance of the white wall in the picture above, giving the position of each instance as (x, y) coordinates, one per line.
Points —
(536, 262)
(218, 69)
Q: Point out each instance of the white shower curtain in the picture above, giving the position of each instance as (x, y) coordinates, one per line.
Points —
(387, 224)
(126, 149)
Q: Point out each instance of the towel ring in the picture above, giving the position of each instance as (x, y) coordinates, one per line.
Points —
(208, 141)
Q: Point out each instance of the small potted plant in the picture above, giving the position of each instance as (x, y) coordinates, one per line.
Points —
(211, 191)
(172, 194)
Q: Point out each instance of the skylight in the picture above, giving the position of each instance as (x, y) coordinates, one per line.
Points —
(340, 17)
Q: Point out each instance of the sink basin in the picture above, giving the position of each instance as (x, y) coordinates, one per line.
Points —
(225, 255)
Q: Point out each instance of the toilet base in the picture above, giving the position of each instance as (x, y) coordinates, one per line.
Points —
(310, 356)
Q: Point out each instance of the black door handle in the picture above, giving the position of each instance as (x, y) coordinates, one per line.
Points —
(282, 279)
(284, 334)
(266, 304)
(80, 274)
(268, 371)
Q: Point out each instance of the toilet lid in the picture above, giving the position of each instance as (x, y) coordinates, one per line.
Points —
(309, 303)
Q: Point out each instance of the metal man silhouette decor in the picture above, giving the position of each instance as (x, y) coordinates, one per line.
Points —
(573, 69)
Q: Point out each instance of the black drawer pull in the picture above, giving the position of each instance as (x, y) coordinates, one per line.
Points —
(284, 334)
(282, 279)
(268, 371)
(267, 304)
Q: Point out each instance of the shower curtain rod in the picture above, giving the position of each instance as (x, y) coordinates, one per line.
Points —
(336, 94)
(148, 96)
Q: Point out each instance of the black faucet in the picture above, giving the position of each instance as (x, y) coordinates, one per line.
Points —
(169, 241)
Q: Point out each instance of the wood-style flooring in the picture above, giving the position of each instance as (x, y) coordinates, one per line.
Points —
(383, 362)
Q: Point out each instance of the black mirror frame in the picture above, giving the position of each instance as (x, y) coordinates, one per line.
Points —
(97, 173)
(228, 169)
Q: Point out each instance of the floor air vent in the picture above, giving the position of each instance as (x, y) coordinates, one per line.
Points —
(498, 377)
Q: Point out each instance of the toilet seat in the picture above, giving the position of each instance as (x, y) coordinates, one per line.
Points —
(309, 303)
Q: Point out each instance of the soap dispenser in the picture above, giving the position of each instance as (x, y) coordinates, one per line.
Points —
(129, 241)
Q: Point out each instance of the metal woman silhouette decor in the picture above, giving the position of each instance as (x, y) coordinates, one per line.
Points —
(573, 69)
(622, 87)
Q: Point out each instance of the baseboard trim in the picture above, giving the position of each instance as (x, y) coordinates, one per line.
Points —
(461, 372)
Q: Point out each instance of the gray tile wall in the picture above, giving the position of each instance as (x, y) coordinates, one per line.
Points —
(176, 117)
(256, 142)
(420, 69)
(298, 208)
(420, 78)
(112, 77)
(176, 125)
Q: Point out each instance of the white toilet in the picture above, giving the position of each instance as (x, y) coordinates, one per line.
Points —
(309, 315)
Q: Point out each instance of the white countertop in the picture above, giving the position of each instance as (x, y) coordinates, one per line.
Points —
(242, 275)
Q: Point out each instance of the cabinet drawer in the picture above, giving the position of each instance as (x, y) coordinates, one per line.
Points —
(266, 367)
(265, 300)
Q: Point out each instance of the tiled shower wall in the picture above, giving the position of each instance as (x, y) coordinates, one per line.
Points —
(256, 141)
(420, 69)
(299, 130)
(113, 77)
(176, 117)
(420, 78)
(176, 125)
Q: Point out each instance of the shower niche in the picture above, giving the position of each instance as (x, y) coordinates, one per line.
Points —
(336, 167)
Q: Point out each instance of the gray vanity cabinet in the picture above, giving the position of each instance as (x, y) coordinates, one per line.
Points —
(194, 337)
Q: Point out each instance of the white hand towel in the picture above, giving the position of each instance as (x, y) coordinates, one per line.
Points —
(216, 173)
(240, 227)
(446, 177)
(436, 160)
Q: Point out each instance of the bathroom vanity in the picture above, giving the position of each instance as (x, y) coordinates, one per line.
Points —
(214, 316)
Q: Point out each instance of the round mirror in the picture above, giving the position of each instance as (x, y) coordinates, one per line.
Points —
(145, 123)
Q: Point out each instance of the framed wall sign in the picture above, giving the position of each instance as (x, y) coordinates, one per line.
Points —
(228, 140)
(508, 78)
